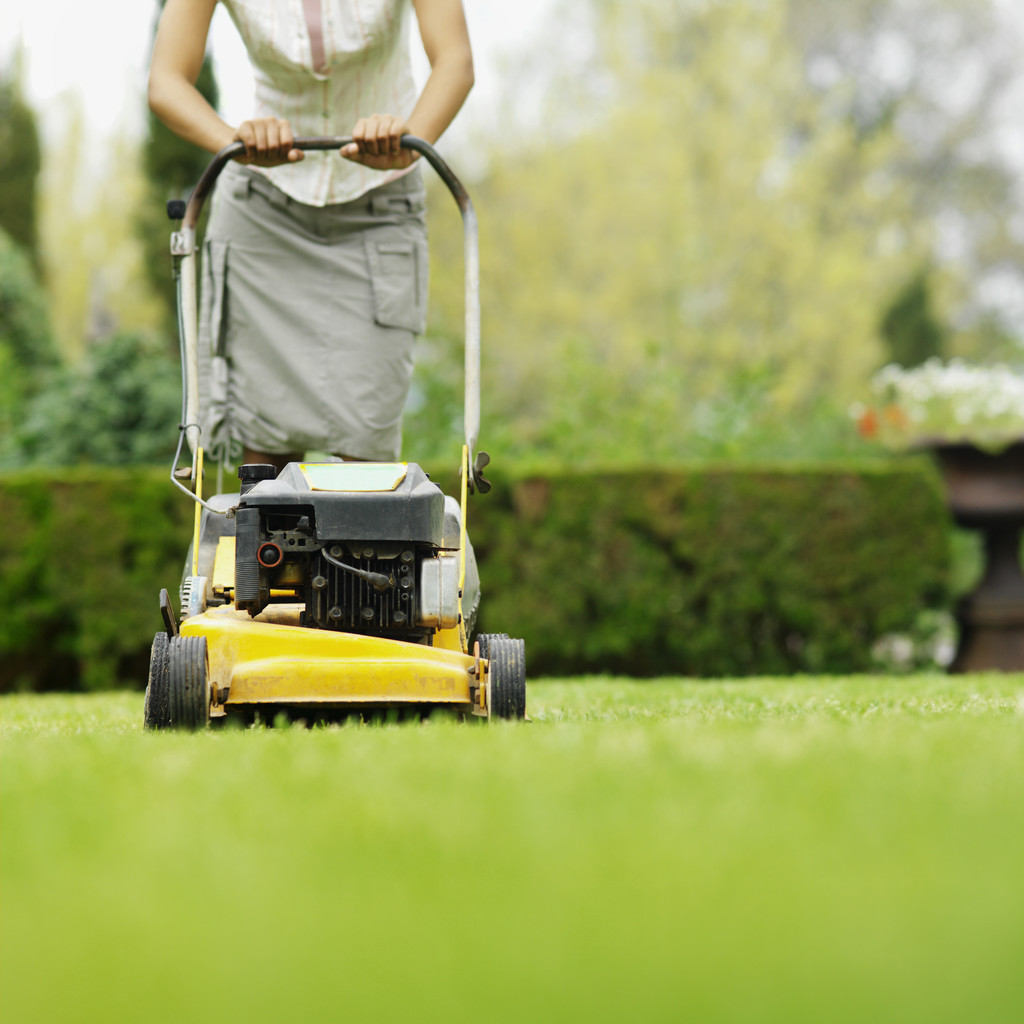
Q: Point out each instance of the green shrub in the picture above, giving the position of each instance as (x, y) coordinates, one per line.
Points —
(27, 352)
(711, 571)
(87, 554)
(695, 570)
(117, 406)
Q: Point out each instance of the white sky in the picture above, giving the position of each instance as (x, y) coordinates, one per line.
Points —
(74, 49)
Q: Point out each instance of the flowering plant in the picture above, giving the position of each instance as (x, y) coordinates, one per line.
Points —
(944, 403)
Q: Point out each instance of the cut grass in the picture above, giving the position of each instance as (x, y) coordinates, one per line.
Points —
(809, 850)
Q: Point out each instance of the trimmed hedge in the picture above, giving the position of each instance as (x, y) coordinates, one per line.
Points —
(696, 570)
(86, 555)
(712, 571)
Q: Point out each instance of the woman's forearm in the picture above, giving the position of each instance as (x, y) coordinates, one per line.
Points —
(178, 53)
(180, 105)
(446, 42)
(443, 95)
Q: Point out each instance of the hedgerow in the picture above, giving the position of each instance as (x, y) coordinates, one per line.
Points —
(695, 570)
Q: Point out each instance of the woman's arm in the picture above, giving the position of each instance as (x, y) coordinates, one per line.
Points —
(178, 54)
(446, 42)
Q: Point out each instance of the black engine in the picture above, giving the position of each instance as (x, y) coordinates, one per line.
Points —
(364, 547)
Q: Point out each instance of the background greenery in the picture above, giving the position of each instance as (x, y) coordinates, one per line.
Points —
(681, 259)
(704, 226)
(711, 571)
(767, 850)
(727, 217)
(696, 570)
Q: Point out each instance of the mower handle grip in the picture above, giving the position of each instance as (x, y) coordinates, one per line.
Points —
(318, 142)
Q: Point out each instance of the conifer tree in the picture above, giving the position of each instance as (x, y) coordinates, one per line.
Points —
(19, 164)
(910, 326)
(172, 166)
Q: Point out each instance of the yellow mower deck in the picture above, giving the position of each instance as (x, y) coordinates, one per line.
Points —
(271, 661)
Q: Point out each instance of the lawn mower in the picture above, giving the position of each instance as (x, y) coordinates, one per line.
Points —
(330, 589)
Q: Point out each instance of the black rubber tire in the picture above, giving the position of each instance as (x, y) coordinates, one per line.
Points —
(188, 682)
(484, 640)
(507, 672)
(156, 714)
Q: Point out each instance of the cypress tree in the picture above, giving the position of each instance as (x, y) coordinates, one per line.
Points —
(20, 160)
(172, 166)
(910, 326)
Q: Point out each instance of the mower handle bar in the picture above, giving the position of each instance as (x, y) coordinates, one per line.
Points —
(183, 246)
(319, 142)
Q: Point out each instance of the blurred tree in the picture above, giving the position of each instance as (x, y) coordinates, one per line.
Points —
(711, 252)
(889, 65)
(26, 347)
(118, 405)
(19, 162)
(88, 231)
(910, 326)
(68, 240)
(171, 166)
(24, 320)
(696, 251)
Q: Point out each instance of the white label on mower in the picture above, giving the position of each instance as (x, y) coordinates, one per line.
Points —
(354, 476)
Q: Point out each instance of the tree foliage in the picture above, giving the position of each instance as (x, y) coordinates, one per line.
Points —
(27, 351)
(171, 166)
(944, 75)
(24, 319)
(714, 236)
(20, 161)
(709, 239)
(118, 406)
(697, 252)
(95, 278)
(910, 325)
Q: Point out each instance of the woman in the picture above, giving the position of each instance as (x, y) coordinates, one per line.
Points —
(315, 267)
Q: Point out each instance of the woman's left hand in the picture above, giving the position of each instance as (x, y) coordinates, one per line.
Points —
(377, 143)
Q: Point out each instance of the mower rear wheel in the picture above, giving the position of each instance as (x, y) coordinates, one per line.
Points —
(188, 682)
(155, 713)
(507, 675)
(484, 640)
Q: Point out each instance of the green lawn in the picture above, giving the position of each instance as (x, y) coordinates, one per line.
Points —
(806, 850)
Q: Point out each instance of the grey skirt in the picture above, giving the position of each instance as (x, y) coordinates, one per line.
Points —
(308, 317)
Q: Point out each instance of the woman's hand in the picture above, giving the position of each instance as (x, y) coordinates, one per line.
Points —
(378, 143)
(268, 142)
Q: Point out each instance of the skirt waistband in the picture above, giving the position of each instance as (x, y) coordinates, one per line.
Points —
(405, 192)
(244, 199)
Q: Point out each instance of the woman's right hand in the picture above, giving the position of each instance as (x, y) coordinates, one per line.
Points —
(268, 142)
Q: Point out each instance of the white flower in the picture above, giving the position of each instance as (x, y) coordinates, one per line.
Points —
(955, 401)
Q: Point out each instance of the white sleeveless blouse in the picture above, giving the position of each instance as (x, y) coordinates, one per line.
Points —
(366, 69)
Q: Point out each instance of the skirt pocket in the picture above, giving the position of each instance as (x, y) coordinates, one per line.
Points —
(213, 363)
(215, 301)
(398, 279)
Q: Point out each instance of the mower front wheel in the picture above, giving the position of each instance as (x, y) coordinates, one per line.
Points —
(188, 687)
(506, 675)
(156, 714)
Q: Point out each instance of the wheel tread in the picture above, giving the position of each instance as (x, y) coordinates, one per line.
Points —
(156, 712)
(507, 657)
(189, 686)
